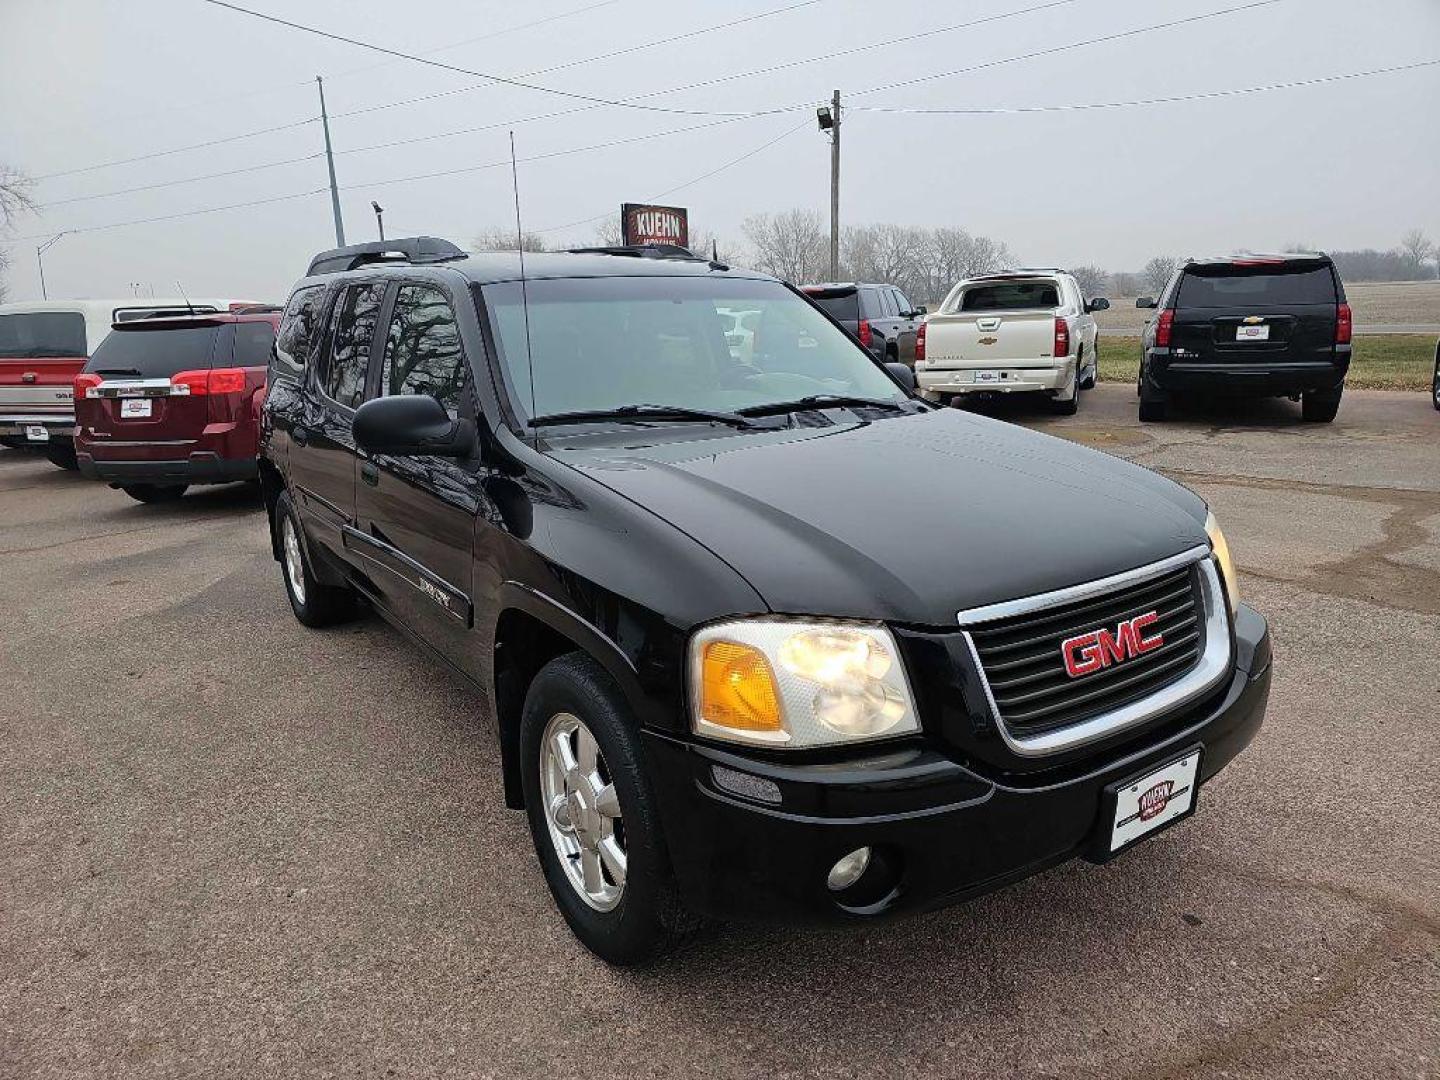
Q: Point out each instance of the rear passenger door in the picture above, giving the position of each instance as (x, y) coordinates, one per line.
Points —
(416, 514)
(905, 332)
(322, 449)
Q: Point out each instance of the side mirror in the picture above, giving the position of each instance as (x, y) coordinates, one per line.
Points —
(903, 375)
(411, 424)
(1099, 303)
(921, 310)
(1145, 301)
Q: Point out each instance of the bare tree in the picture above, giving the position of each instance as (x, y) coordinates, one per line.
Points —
(1417, 248)
(1124, 284)
(955, 254)
(893, 254)
(1092, 280)
(610, 233)
(793, 245)
(15, 197)
(4, 272)
(500, 238)
(1158, 271)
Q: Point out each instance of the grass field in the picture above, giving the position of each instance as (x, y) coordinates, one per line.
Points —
(1389, 362)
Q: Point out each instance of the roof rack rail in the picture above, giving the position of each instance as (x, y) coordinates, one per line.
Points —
(640, 251)
(410, 249)
(255, 309)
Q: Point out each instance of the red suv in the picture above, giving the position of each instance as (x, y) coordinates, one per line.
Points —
(168, 402)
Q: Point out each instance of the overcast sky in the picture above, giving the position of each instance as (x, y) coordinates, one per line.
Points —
(86, 82)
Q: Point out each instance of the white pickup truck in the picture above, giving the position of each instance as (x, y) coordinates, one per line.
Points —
(1013, 332)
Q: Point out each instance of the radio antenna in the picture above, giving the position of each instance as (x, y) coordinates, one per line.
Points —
(524, 294)
(181, 289)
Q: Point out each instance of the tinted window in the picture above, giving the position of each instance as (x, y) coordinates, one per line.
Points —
(42, 333)
(901, 302)
(422, 348)
(154, 352)
(600, 343)
(352, 330)
(842, 304)
(299, 330)
(1011, 296)
(1243, 286)
(252, 343)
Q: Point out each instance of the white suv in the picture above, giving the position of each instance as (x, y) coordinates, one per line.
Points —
(1012, 332)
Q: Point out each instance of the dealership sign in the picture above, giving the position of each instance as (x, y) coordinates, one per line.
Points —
(641, 224)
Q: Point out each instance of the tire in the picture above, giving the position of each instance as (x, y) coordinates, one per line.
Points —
(62, 455)
(1435, 385)
(1320, 408)
(315, 604)
(1071, 406)
(625, 916)
(154, 493)
(1154, 404)
(1094, 377)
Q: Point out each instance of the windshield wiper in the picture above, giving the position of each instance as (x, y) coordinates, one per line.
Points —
(822, 401)
(644, 412)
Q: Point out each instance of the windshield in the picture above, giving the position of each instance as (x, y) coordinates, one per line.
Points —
(42, 333)
(605, 343)
(154, 353)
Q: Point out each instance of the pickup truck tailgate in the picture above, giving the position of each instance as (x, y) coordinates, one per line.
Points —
(999, 338)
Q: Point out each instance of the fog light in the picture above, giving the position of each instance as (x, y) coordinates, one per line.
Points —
(848, 870)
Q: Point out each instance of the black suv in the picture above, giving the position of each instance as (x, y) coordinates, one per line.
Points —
(1249, 325)
(879, 315)
(742, 656)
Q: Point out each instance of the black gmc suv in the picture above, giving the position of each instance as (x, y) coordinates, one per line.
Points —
(742, 656)
(1248, 325)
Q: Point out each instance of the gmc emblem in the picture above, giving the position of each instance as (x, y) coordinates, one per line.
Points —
(1088, 653)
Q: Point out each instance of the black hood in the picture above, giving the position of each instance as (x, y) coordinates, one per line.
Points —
(909, 519)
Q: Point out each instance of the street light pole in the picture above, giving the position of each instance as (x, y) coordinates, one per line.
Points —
(330, 164)
(40, 261)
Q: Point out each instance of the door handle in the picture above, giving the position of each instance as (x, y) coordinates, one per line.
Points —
(300, 435)
(370, 473)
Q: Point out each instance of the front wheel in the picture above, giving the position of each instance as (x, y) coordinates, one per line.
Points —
(593, 815)
(154, 493)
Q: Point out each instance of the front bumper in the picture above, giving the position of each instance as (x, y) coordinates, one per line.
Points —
(1049, 378)
(942, 830)
(198, 468)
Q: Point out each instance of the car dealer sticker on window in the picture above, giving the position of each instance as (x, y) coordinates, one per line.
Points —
(1151, 801)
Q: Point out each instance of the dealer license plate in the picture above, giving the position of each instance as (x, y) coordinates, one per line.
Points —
(36, 433)
(1155, 799)
(1252, 333)
(989, 376)
(134, 407)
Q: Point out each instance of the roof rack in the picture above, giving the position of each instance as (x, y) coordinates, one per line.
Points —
(641, 251)
(410, 249)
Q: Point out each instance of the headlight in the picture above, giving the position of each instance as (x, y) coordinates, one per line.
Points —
(1221, 551)
(790, 683)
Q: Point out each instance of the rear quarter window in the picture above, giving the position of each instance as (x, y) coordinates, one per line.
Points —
(1243, 286)
(253, 341)
(300, 331)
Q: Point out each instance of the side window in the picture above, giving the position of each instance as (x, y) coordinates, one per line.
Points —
(252, 344)
(299, 331)
(901, 303)
(887, 302)
(352, 329)
(422, 348)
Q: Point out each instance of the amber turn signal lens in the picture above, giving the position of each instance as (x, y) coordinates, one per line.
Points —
(737, 688)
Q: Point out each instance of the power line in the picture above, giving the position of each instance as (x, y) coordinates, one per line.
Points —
(185, 180)
(520, 83)
(1137, 31)
(178, 149)
(1201, 96)
(184, 214)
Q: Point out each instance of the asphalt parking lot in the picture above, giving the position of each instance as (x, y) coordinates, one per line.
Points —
(235, 847)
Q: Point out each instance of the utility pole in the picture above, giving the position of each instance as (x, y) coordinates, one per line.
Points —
(829, 117)
(40, 260)
(330, 163)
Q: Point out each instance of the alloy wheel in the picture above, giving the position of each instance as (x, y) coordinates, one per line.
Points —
(582, 811)
(294, 565)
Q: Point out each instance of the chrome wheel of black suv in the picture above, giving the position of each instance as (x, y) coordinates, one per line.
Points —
(315, 604)
(593, 815)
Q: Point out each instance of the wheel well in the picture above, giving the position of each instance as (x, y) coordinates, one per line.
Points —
(271, 485)
(523, 645)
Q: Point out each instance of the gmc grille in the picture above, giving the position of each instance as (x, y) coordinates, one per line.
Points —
(1022, 660)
